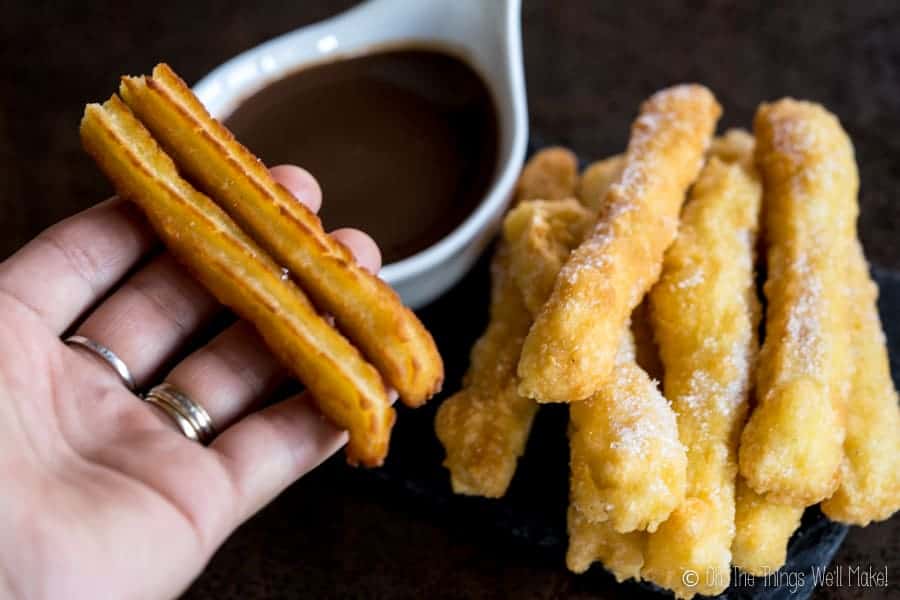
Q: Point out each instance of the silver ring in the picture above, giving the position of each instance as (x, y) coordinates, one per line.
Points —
(191, 418)
(186, 427)
(107, 355)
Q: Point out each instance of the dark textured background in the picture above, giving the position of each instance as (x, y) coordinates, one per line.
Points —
(588, 65)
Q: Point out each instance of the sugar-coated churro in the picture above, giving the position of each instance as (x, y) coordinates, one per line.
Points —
(870, 473)
(366, 309)
(762, 530)
(705, 315)
(550, 174)
(620, 553)
(628, 435)
(541, 235)
(346, 388)
(484, 427)
(792, 446)
(571, 348)
(596, 179)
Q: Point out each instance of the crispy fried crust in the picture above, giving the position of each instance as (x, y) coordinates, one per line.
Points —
(596, 179)
(550, 174)
(622, 554)
(870, 481)
(628, 435)
(571, 348)
(366, 309)
(348, 390)
(705, 315)
(591, 192)
(762, 531)
(484, 426)
(734, 146)
(541, 235)
(792, 446)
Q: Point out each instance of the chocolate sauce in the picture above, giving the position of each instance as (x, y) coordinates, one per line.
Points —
(403, 142)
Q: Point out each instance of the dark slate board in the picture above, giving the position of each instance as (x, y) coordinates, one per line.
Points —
(533, 512)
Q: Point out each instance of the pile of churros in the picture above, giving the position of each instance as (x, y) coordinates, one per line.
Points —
(265, 255)
(630, 292)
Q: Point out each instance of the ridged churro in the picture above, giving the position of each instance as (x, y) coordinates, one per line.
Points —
(870, 473)
(347, 389)
(484, 427)
(792, 446)
(365, 308)
(571, 348)
(705, 314)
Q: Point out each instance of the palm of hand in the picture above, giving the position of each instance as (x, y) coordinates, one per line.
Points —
(133, 497)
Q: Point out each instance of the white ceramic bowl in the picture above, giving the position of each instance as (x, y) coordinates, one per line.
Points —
(484, 32)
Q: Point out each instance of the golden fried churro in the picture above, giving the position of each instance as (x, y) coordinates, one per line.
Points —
(620, 553)
(541, 235)
(596, 179)
(705, 315)
(366, 309)
(571, 348)
(792, 446)
(550, 174)
(762, 530)
(734, 146)
(348, 390)
(870, 481)
(628, 435)
(484, 427)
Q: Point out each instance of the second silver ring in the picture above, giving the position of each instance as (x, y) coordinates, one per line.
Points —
(193, 420)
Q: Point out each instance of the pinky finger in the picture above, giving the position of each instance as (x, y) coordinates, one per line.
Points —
(268, 450)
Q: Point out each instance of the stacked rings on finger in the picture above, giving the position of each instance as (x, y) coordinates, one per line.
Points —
(193, 420)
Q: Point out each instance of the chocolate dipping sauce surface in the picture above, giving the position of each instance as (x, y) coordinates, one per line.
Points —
(403, 142)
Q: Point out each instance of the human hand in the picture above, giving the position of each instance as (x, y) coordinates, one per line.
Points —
(103, 496)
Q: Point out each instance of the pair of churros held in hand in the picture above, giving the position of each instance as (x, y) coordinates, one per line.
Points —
(237, 249)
